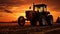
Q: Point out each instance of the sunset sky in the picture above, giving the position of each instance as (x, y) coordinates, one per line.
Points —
(10, 10)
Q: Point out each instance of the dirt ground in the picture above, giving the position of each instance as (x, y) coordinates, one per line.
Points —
(55, 29)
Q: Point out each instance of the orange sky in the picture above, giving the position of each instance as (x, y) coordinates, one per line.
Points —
(18, 8)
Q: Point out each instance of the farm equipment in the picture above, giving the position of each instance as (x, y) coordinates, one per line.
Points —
(38, 14)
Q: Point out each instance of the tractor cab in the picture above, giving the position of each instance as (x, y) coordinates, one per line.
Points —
(40, 7)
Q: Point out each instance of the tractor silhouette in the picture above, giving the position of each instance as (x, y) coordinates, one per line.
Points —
(39, 13)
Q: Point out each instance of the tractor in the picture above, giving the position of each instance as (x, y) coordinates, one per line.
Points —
(38, 14)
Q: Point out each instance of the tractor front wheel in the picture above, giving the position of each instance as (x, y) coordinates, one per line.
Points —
(21, 21)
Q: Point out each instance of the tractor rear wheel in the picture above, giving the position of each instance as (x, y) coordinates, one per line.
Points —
(49, 19)
(21, 21)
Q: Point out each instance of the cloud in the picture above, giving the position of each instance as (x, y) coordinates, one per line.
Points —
(54, 3)
(16, 2)
(10, 2)
(7, 11)
(3, 9)
(20, 2)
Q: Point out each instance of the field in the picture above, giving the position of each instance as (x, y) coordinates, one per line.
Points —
(13, 28)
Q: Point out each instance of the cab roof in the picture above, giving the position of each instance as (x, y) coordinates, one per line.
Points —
(40, 5)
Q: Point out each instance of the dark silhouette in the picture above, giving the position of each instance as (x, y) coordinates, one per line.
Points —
(38, 14)
(58, 20)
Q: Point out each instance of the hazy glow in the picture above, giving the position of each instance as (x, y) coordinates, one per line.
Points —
(20, 11)
(18, 8)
